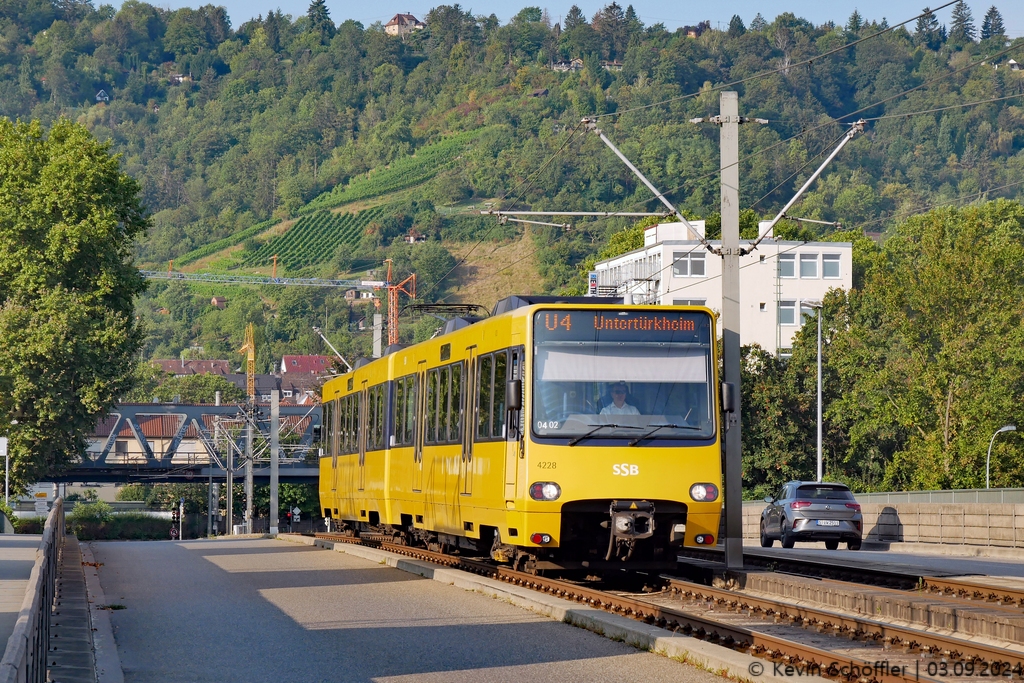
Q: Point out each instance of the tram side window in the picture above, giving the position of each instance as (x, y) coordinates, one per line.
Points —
(483, 420)
(432, 407)
(355, 421)
(500, 377)
(343, 422)
(375, 418)
(442, 405)
(378, 426)
(371, 418)
(332, 422)
(455, 403)
(405, 410)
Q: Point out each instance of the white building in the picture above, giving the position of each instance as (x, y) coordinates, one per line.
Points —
(777, 280)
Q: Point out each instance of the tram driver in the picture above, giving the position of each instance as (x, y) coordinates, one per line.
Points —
(618, 406)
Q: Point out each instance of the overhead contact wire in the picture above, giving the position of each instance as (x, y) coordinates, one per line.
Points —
(765, 74)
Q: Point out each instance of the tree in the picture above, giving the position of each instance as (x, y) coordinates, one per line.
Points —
(962, 30)
(855, 22)
(992, 24)
(183, 36)
(758, 23)
(320, 20)
(927, 352)
(574, 18)
(736, 27)
(927, 30)
(68, 220)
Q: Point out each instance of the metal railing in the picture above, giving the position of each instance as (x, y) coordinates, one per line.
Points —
(24, 660)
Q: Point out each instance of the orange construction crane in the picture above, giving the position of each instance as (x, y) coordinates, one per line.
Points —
(249, 349)
(393, 291)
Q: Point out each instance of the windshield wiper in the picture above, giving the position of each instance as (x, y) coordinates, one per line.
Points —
(656, 428)
(597, 428)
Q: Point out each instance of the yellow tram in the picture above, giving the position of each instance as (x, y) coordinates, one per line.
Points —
(557, 433)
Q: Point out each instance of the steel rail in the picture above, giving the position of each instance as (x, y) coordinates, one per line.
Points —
(773, 648)
(865, 575)
(858, 628)
(972, 590)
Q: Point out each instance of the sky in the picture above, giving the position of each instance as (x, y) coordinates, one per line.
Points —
(669, 12)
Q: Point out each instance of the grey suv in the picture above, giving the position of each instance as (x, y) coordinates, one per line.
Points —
(812, 511)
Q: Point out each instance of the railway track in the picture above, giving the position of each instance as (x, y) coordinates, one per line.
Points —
(843, 647)
(968, 589)
(956, 586)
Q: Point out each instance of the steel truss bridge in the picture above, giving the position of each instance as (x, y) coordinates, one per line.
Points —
(162, 442)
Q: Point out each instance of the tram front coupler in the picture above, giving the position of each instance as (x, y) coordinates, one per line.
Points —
(631, 519)
(628, 522)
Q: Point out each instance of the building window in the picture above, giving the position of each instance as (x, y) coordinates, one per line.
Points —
(808, 265)
(787, 265)
(787, 313)
(830, 266)
(688, 302)
(807, 312)
(686, 264)
(287, 393)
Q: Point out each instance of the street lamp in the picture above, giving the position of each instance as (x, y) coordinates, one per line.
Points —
(988, 458)
(820, 308)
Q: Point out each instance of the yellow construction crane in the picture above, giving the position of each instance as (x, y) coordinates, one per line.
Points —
(249, 349)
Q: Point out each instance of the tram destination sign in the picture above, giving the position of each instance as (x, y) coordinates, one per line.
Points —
(608, 325)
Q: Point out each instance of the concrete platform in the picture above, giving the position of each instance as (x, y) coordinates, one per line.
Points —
(923, 610)
(707, 656)
(255, 610)
(17, 557)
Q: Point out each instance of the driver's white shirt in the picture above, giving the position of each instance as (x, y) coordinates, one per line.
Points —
(626, 409)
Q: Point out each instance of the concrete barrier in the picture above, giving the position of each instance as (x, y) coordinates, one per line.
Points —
(24, 660)
(980, 524)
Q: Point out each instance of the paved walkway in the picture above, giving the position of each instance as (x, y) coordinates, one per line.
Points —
(17, 556)
(268, 610)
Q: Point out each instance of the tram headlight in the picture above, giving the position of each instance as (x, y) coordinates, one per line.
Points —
(545, 490)
(704, 493)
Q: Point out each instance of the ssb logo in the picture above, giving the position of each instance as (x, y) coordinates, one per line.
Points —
(625, 470)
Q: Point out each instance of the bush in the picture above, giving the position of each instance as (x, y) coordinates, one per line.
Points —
(97, 511)
(30, 525)
(9, 513)
(129, 526)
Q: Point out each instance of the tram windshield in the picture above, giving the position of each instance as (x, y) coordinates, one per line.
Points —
(623, 374)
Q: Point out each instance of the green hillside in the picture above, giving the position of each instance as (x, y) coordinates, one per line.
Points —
(315, 238)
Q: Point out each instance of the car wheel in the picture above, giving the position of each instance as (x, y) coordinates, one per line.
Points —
(832, 545)
(853, 545)
(787, 540)
(766, 542)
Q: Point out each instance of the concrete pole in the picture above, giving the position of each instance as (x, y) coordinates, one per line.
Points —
(821, 310)
(248, 469)
(275, 454)
(210, 502)
(378, 335)
(230, 493)
(730, 153)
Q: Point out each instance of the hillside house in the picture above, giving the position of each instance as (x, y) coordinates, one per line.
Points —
(402, 25)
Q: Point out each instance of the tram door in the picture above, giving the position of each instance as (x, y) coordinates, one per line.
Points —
(333, 426)
(364, 411)
(419, 429)
(464, 385)
(513, 442)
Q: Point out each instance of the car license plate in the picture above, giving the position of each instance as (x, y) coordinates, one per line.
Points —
(828, 522)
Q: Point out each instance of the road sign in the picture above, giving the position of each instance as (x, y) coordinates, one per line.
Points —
(3, 445)
(296, 514)
(592, 282)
